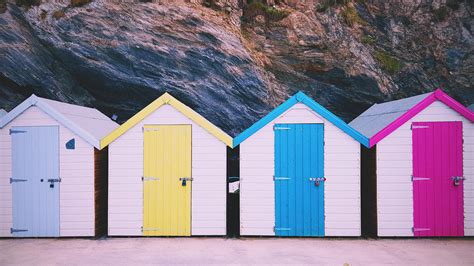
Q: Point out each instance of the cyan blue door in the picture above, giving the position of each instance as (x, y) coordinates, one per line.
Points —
(35, 181)
(299, 179)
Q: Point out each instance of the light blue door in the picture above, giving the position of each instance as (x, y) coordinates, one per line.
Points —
(35, 181)
(299, 179)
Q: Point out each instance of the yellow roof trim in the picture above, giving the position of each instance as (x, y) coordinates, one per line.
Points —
(166, 98)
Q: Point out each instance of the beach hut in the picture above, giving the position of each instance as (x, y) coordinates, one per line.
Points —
(300, 173)
(167, 173)
(2, 113)
(423, 151)
(51, 169)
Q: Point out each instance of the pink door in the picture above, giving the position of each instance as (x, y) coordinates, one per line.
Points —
(437, 179)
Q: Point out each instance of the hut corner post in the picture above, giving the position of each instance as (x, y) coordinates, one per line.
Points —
(101, 191)
(369, 191)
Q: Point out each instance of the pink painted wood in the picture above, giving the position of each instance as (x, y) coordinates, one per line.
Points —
(437, 157)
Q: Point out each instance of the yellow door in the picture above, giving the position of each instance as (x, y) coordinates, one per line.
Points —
(167, 197)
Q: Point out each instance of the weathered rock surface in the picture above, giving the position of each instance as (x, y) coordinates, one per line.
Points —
(231, 63)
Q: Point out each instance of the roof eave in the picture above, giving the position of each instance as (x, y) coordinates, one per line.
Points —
(436, 95)
(303, 98)
(166, 98)
(33, 100)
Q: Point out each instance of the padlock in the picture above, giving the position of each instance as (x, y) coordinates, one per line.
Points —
(51, 185)
(183, 182)
(456, 181)
(316, 183)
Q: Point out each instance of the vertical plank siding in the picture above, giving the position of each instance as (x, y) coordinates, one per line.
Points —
(341, 168)
(208, 207)
(76, 171)
(394, 170)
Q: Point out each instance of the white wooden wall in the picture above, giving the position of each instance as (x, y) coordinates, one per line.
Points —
(394, 170)
(341, 168)
(76, 172)
(208, 172)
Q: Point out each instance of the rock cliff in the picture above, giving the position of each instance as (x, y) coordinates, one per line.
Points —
(233, 61)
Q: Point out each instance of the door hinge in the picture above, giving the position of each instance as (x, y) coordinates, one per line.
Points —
(147, 178)
(13, 230)
(276, 178)
(149, 129)
(414, 178)
(17, 180)
(280, 128)
(413, 229)
(13, 131)
(149, 229)
(419, 127)
(280, 229)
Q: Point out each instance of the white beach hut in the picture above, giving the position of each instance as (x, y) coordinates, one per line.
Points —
(167, 173)
(300, 173)
(421, 166)
(51, 169)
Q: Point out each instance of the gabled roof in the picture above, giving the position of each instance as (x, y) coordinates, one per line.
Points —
(380, 120)
(88, 123)
(300, 97)
(166, 98)
(2, 113)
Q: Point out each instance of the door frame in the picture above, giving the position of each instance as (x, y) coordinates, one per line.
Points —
(58, 184)
(423, 179)
(191, 174)
(323, 128)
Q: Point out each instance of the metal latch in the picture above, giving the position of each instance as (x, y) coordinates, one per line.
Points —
(317, 180)
(184, 180)
(13, 230)
(17, 180)
(52, 181)
(146, 178)
(456, 180)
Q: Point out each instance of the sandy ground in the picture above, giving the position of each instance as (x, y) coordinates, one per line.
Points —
(127, 251)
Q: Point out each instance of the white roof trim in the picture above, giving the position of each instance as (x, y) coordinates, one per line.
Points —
(33, 100)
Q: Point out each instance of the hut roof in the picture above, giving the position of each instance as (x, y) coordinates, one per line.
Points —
(300, 97)
(164, 99)
(382, 119)
(88, 123)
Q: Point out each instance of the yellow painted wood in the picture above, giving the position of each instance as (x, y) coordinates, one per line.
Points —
(166, 203)
(185, 110)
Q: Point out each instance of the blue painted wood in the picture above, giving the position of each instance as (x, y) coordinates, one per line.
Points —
(299, 156)
(35, 159)
(303, 98)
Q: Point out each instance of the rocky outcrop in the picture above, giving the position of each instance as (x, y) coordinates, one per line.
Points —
(231, 60)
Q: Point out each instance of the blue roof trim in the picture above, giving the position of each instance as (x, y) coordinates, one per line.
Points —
(316, 107)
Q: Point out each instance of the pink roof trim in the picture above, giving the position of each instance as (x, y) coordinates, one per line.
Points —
(436, 95)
